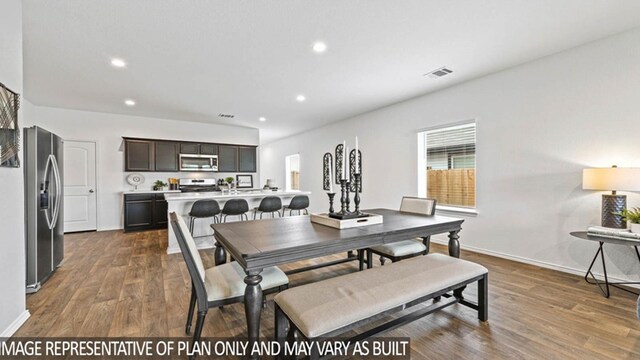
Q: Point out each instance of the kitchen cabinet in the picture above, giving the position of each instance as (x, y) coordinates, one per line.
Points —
(189, 148)
(209, 149)
(247, 159)
(144, 212)
(227, 158)
(139, 155)
(166, 156)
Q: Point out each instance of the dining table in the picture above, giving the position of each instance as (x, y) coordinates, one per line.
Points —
(260, 244)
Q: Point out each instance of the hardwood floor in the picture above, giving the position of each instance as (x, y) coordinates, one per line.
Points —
(117, 284)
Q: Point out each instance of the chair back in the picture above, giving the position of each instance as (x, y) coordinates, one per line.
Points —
(270, 204)
(191, 257)
(205, 208)
(299, 202)
(417, 205)
(235, 207)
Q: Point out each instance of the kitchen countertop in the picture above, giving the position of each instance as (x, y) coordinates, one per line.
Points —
(150, 192)
(191, 196)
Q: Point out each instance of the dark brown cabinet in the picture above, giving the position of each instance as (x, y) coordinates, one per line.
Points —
(164, 155)
(227, 158)
(247, 159)
(166, 158)
(189, 148)
(139, 155)
(145, 212)
(208, 149)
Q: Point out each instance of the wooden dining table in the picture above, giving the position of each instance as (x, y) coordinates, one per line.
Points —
(257, 245)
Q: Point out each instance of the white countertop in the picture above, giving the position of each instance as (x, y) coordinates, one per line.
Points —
(191, 196)
(150, 192)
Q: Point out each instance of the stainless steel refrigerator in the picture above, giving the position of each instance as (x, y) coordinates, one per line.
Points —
(43, 164)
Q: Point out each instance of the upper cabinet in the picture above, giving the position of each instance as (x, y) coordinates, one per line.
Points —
(189, 148)
(227, 158)
(163, 155)
(246, 159)
(209, 149)
(166, 156)
(139, 155)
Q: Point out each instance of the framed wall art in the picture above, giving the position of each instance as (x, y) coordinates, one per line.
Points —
(9, 129)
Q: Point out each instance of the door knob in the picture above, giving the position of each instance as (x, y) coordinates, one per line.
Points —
(91, 191)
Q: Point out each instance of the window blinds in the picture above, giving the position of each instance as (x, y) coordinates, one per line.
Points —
(451, 165)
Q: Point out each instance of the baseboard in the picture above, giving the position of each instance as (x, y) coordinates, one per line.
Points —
(15, 325)
(546, 265)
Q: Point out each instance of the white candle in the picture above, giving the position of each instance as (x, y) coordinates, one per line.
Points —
(344, 160)
(357, 158)
(330, 176)
(347, 161)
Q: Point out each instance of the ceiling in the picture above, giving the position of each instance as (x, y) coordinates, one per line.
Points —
(192, 60)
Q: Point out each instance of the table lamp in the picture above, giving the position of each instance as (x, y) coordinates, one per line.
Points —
(614, 179)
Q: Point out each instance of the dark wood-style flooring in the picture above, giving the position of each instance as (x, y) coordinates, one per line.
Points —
(117, 284)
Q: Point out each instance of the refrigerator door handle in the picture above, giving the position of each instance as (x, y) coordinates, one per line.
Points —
(56, 175)
(46, 181)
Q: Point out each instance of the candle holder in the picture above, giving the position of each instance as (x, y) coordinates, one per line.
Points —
(356, 197)
(348, 197)
(331, 196)
(344, 212)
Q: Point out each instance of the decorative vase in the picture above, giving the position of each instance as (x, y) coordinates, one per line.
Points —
(635, 228)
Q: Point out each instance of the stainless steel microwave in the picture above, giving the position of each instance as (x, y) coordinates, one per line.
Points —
(191, 162)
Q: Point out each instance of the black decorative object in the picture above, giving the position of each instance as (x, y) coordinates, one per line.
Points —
(339, 160)
(353, 184)
(356, 197)
(326, 169)
(331, 196)
(9, 129)
(352, 169)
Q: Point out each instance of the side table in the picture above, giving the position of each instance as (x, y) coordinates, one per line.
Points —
(602, 240)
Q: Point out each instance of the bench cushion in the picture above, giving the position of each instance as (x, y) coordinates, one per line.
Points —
(227, 280)
(400, 248)
(322, 307)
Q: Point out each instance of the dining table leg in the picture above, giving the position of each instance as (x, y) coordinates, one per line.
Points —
(253, 304)
(454, 244)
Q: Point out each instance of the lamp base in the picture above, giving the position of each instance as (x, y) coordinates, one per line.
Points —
(611, 205)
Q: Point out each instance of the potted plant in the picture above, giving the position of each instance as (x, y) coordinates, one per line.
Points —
(633, 217)
(159, 185)
(229, 181)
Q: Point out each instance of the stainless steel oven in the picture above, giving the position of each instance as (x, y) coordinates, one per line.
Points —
(191, 162)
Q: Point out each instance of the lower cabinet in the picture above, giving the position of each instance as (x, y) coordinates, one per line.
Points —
(145, 212)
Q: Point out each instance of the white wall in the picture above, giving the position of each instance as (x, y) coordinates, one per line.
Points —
(538, 126)
(107, 131)
(12, 258)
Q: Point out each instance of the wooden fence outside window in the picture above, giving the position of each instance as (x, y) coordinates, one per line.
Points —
(454, 187)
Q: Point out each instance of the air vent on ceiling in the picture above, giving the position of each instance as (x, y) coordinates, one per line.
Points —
(228, 116)
(438, 73)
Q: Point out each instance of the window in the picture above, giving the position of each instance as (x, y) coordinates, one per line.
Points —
(292, 168)
(447, 165)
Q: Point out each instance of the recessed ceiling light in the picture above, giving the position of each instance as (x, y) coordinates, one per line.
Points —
(119, 63)
(300, 98)
(262, 119)
(129, 102)
(319, 47)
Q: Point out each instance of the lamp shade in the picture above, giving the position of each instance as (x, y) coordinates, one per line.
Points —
(613, 178)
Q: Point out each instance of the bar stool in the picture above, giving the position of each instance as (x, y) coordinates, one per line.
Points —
(269, 204)
(299, 203)
(202, 209)
(235, 207)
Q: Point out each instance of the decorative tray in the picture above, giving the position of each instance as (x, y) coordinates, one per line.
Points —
(324, 219)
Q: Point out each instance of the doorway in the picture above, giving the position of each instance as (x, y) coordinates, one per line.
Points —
(80, 196)
(292, 169)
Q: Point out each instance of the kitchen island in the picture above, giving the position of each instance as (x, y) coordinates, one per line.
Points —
(181, 203)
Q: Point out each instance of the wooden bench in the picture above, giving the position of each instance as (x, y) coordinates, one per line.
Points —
(332, 307)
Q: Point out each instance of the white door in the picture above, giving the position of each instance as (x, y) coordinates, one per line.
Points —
(80, 186)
